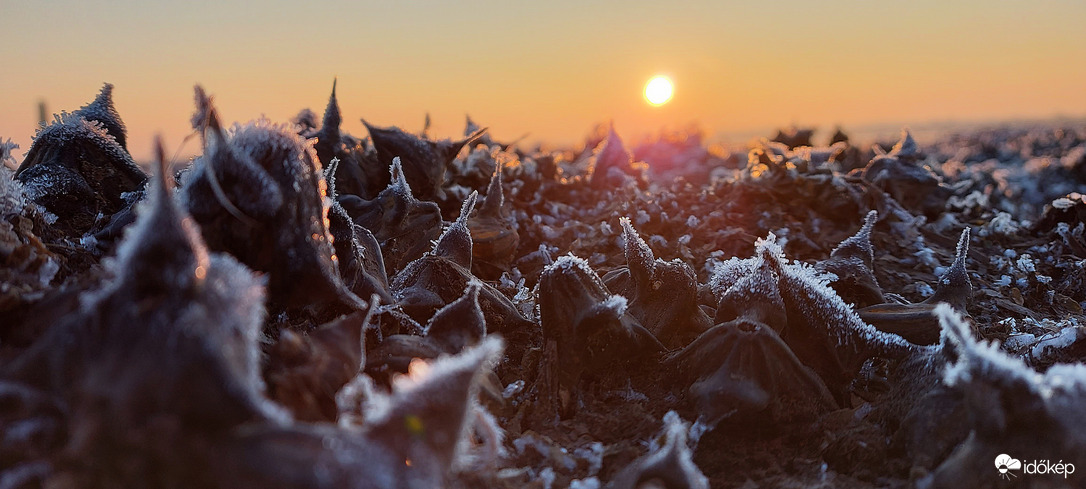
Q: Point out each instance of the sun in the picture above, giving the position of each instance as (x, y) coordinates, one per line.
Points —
(658, 90)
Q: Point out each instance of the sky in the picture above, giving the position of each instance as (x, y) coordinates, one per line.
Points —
(551, 69)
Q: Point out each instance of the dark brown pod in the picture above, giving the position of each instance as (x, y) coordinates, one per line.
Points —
(160, 356)
(852, 262)
(743, 370)
(403, 225)
(612, 160)
(77, 169)
(260, 196)
(441, 276)
(662, 295)
(669, 463)
(331, 143)
(493, 236)
(588, 328)
(917, 322)
(899, 174)
(424, 161)
(823, 331)
(358, 255)
(306, 370)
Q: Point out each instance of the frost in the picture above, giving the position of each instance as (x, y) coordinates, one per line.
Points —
(926, 255)
(1017, 341)
(1065, 338)
(513, 389)
(1002, 224)
(6, 159)
(616, 303)
(593, 455)
(727, 272)
(924, 290)
(101, 109)
(586, 483)
(12, 195)
(1004, 281)
(670, 458)
(67, 128)
(1025, 264)
(547, 476)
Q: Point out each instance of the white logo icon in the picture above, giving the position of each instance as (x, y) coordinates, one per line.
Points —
(1005, 464)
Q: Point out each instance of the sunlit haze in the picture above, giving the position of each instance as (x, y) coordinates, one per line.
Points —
(551, 69)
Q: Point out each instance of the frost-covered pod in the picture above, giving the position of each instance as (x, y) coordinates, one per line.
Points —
(1012, 409)
(612, 162)
(158, 359)
(306, 370)
(492, 232)
(424, 161)
(441, 276)
(662, 295)
(358, 255)
(453, 328)
(823, 331)
(669, 463)
(852, 262)
(403, 225)
(900, 175)
(754, 297)
(77, 169)
(414, 437)
(743, 370)
(331, 143)
(917, 322)
(258, 193)
(590, 328)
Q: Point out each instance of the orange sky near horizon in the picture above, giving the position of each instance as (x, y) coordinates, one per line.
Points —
(551, 69)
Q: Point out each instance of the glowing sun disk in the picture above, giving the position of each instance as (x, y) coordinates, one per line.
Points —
(658, 90)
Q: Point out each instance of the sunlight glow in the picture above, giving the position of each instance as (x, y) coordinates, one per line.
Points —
(658, 90)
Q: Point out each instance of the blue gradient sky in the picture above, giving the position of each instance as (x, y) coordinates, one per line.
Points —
(551, 69)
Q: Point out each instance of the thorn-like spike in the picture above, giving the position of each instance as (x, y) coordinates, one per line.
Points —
(859, 244)
(330, 177)
(954, 287)
(906, 147)
(461, 323)
(639, 257)
(330, 123)
(102, 110)
(492, 204)
(455, 243)
(398, 177)
(163, 250)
